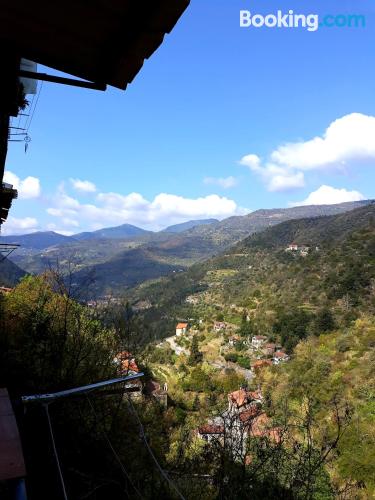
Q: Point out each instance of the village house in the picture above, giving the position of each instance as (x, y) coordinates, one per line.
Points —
(258, 340)
(126, 363)
(210, 432)
(292, 247)
(181, 329)
(243, 399)
(5, 290)
(302, 249)
(219, 326)
(280, 357)
(233, 340)
(260, 427)
(269, 349)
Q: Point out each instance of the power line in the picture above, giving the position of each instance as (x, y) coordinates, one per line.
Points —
(55, 451)
(31, 116)
(143, 435)
(114, 451)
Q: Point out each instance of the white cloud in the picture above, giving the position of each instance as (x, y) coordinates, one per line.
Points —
(251, 161)
(83, 186)
(27, 188)
(347, 143)
(328, 195)
(14, 225)
(280, 179)
(163, 210)
(347, 139)
(224, 182)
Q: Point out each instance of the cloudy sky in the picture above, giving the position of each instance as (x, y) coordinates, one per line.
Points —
(220, 121)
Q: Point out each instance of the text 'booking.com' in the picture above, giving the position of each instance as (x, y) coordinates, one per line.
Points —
(310, 22)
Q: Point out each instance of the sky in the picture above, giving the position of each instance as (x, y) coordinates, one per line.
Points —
(221, 120)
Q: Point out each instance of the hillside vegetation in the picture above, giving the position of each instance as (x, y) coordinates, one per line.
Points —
(275, 286)
(157, 253)
(309, 434)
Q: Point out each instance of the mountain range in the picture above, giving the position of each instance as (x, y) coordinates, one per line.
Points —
(260, 276)
(124, 256)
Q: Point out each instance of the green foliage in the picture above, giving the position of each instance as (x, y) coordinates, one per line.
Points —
(323, 321)
(231, 356)
(247, 328)
(244, 362)
(291, 327)
(162, 356)
(195, 356)
(198, 381)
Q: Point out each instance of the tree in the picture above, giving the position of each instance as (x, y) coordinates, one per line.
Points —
(246, 328)
(323, 322)
(195, 355)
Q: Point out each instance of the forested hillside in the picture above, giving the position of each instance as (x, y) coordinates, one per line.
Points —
(258, 275)
(111, 254)
(305, 288)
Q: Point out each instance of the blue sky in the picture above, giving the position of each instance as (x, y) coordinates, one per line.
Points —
(221, 120)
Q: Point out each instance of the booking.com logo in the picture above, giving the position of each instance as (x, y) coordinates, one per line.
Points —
(311, 22)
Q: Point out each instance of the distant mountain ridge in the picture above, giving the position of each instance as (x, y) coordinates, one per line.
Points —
(238, 227)
(342, 253)
(128, 261)
(123, 231)
(184, 226)
(38, 240)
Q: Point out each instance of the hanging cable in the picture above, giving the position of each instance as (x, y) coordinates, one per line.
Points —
(55, 452)
(143, 435)
(31, 116)
(20, 115)
(118, 459)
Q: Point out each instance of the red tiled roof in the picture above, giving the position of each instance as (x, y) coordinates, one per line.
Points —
(260, 428)
(181, 325)
(239, 397)
(211, 429)
(256, 395)
(249, 414)
(280, 354)
(243, 396)
(129, 365)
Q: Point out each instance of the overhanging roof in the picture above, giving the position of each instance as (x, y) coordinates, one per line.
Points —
(105, 41)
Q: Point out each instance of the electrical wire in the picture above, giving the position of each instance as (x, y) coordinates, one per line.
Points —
(55, 451)
(27, 116)
(119, 461)
(31, 116)
(143, 435)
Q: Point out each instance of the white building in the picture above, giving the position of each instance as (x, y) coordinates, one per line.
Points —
(181, 329)
(258, 340)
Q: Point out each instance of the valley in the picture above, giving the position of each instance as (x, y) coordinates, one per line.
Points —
(258, 361)
(118, 259)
